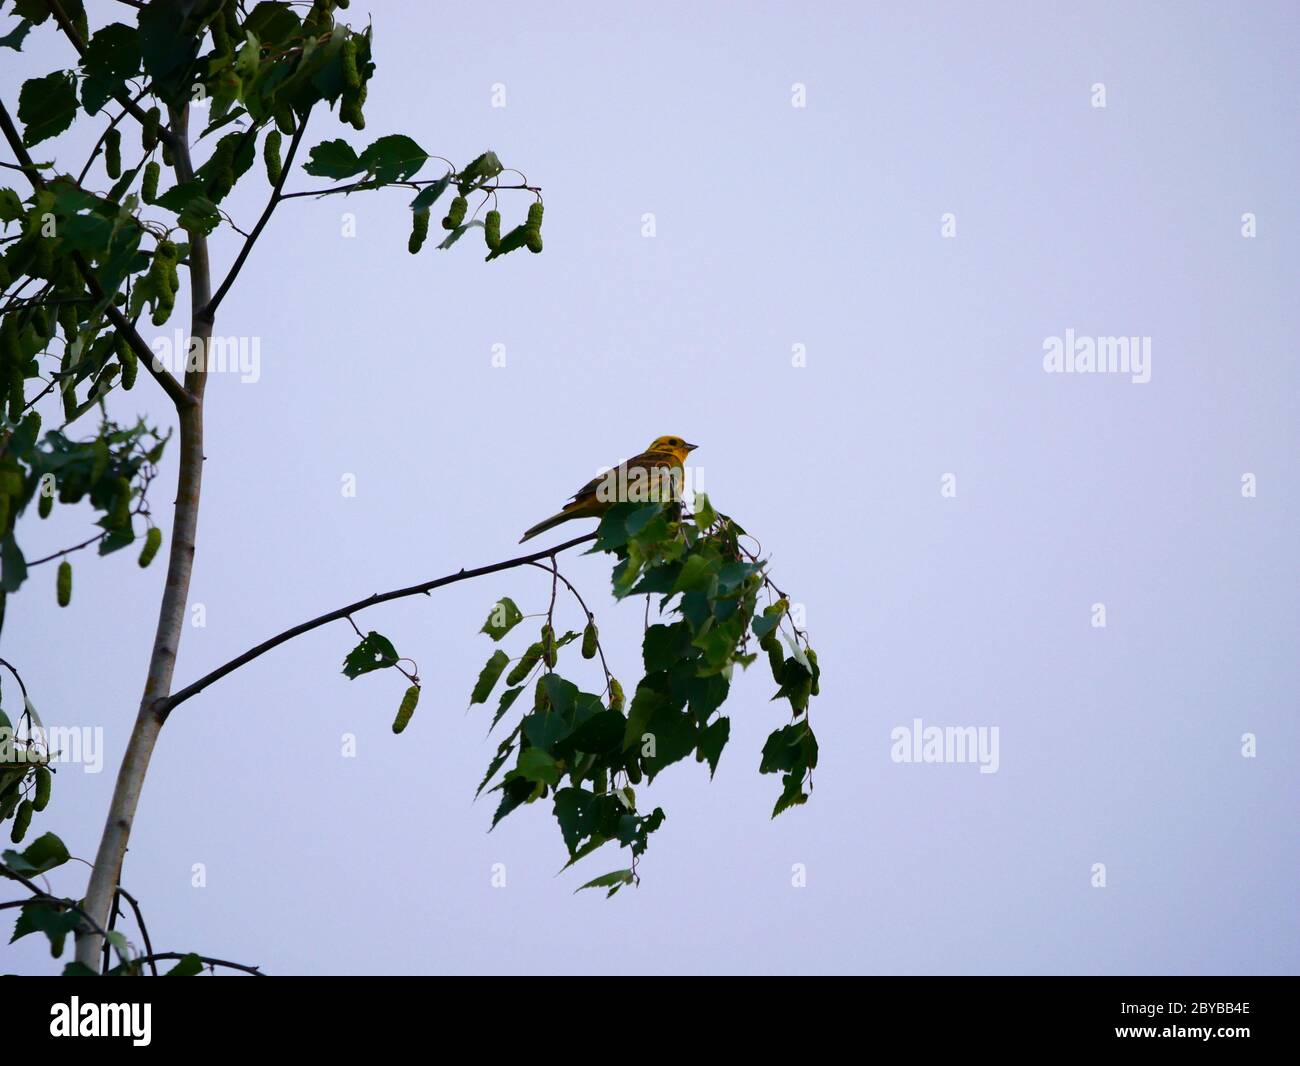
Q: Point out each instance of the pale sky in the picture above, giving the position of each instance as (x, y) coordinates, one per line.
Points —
(775, 226)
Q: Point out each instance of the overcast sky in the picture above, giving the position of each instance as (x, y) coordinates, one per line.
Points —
(775, 226)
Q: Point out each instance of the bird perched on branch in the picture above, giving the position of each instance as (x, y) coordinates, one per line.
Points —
(653, 476)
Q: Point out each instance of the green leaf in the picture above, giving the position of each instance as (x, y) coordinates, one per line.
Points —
(190, 201)
(697, 574)
(333, 159)
(512, 241)
(644, 703)
(508, 697)
(190, 966)
(545, 729)
(535, 765)
(375, 652)
(789, 748)
(393, 158)
(487, 677)
(503, 753)
(573, 812)
(503, 617)
(54, 918)
(112, 56)
(665, 645)
(513, 793)
(712, 741)
(601, 734)
(47, 106)
(457, 234)
(430, 193)
(272, 23)
(13, 567)
(43, 854)
(614, 880)
(705, 515)
(167, 48)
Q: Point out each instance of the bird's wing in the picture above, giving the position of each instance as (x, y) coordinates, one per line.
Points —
(646, 460)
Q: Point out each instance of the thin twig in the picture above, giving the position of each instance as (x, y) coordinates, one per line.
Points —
(209, 311)
(164, 706)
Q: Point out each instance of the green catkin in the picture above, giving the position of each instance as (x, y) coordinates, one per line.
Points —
(130, 364)
(616, 698)
(407, 708)
(492, 230)
(525, 665)
(284, 119)
(540, 696)
(17, 397)
(350, 108)
(351, 76)
(163, 281)
(44, 781)
(21, 821)
(149, 183)
(113, 153)
(152, 542)
(271, 154)
(550, 654)
(533, 228)
(121, 513)
(44, 505)
(169, 159)
(419, 231)
(63, 584)
(455, 213)
(589, 640)
(634, 772)
(149, 130)
(8, 802)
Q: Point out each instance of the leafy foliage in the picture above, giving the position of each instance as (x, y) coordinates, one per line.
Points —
(81, 261)
(585, 752)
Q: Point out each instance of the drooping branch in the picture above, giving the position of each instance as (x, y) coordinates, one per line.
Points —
(165, 706)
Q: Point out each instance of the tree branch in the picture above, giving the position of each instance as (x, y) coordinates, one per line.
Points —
(277, 194)
(255, 971)
(170, 703)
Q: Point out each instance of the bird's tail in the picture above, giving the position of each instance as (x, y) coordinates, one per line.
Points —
(549, 523)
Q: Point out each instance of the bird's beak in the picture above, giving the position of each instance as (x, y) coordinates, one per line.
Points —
(691, 447)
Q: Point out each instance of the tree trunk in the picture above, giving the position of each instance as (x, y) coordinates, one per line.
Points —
(107, 872)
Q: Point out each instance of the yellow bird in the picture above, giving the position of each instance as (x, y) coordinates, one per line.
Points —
(647, 477)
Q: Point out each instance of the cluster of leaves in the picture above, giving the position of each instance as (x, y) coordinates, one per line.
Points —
(26, 779)
(587, 751)
(111, 470)
(697, 569)
(80, 266)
